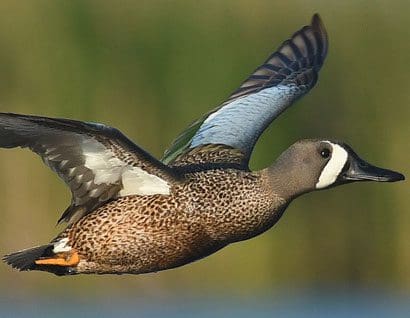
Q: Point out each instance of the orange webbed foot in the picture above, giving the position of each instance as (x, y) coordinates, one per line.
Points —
(61, 259)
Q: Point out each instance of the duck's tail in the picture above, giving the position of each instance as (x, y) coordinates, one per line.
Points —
(41, 258)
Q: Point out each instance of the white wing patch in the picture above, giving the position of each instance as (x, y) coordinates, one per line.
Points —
(137, 181)
(109, 169)
(333, 168)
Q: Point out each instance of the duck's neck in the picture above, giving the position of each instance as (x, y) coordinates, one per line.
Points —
(285, 182)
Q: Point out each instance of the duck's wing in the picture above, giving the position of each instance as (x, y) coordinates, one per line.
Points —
(236, 125)
(97, 162)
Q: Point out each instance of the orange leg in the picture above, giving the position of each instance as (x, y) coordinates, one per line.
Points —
(72, 260)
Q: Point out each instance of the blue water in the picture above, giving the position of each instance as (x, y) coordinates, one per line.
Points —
(301, 304)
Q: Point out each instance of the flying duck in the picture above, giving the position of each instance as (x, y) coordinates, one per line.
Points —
(131, 213)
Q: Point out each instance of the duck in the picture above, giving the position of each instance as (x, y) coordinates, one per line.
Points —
(131, 213)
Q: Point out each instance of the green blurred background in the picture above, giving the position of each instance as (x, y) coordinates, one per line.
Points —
(149, 68)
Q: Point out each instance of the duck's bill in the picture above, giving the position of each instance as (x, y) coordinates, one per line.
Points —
(360, 170)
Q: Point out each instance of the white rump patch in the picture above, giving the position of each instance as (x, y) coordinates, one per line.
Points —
(334, 166)
(108, 169)
(61, 246)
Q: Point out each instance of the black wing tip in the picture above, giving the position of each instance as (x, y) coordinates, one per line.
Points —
(320, 40)
(315, 45)
(303, 53)
(317, 22)
(319, 28)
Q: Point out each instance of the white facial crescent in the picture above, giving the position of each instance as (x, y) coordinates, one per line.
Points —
(334, 166)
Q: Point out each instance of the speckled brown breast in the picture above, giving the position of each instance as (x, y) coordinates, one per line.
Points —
(137, 234)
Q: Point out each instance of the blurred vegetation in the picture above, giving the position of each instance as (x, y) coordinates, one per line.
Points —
(150, 68)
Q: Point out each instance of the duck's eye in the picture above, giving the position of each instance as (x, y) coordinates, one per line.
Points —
(325, 153)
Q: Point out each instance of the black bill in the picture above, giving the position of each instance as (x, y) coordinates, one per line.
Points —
(357, 169)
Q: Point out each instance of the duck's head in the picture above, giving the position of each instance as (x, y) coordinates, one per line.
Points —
(313, 164)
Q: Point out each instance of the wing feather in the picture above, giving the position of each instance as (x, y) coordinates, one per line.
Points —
(288, 73)
(97, 162)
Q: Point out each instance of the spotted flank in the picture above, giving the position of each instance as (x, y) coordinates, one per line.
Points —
(333, 168)
(284, 77)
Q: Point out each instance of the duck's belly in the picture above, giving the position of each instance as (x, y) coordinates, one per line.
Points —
(132, 240)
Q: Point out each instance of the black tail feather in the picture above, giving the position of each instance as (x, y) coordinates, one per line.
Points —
(25, 260)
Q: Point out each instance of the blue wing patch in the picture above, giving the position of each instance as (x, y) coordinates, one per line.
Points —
(288, 74)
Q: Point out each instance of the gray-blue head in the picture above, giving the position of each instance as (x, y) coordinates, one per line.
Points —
(314, 164)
